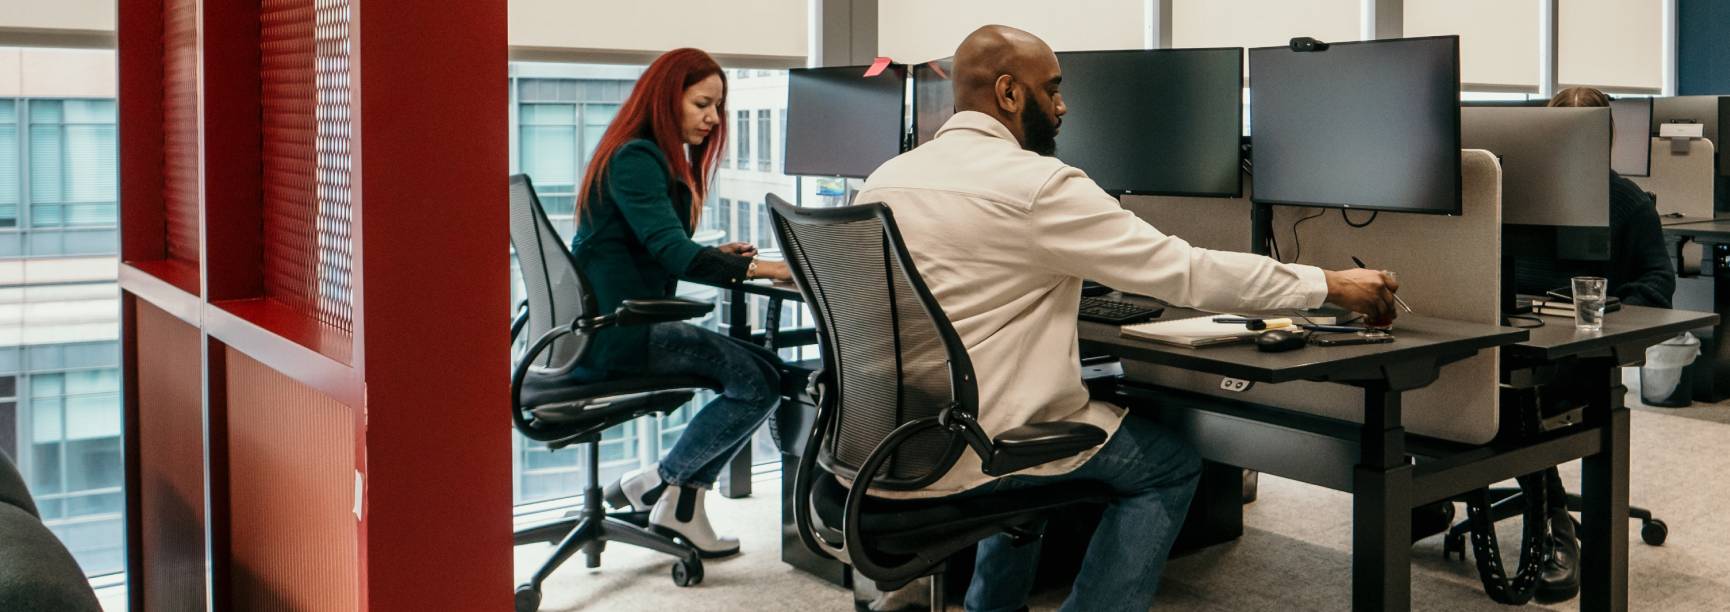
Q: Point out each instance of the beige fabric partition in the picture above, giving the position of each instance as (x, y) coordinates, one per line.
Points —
(1682, 180)
(1449, 267)
(1211, 223)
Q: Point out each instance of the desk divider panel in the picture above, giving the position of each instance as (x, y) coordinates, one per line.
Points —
(1682, 180)
(1449, 267)
(1210, 223)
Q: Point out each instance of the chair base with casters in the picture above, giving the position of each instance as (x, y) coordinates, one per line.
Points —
(590, 528)
(1510, 503)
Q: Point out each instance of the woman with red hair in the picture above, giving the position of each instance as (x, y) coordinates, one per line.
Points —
(639, 201)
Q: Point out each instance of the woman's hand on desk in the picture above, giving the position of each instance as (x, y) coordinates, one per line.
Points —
(742, 249)
(773, 270)
(1370, 292)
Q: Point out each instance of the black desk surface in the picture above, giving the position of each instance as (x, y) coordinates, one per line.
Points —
(1667, 221)
(1705, 228)
(1629, 325)
(1417, 339)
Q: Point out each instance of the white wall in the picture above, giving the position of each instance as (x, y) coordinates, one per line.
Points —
(1611, 44)
(56, 73)
(739, 28)
(58, 14)
(1263, 23)
(919, 30)
(1498, 38)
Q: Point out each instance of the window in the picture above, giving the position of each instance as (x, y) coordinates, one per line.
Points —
(724, 221)
(768, 229)
(781, 152)
(74, 171)
(10, 187)
(742, 160)
(66, 434)
(763, 123)
(549, 154)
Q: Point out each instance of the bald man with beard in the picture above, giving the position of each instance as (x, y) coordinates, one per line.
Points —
(1004, 233)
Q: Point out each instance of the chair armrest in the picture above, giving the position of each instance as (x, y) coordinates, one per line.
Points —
(643, 312)
(1040, 443)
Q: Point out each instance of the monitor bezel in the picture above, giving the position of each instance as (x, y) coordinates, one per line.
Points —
(901, 70)
(1237, 134)
(1459, 187)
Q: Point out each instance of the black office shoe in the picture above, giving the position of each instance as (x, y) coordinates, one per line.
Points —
(1431, 519)
(1561, 578)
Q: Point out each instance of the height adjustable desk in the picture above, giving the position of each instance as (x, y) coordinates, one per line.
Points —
(1370, 461)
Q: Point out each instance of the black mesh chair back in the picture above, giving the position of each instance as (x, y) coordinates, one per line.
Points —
(556, 290)
(882, 380)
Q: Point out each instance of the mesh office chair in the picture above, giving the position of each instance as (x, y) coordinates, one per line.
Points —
(546, 406)
(895, 409)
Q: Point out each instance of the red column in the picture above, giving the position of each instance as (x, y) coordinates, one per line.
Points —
(315, 278)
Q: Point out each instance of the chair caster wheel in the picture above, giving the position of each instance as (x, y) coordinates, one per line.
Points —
(1454, 545)
(1654, 532)
(688, 572)
(528, 599)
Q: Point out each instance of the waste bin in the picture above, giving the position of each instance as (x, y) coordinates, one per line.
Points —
(1664, 379)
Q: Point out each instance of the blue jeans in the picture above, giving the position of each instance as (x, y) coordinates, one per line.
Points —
(1154, 475)
(750, 378)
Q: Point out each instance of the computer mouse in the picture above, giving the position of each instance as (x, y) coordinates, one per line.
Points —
(1280, 340)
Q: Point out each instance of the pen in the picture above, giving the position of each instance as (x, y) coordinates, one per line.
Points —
(1397, 299)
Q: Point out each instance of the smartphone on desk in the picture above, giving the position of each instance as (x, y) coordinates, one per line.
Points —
(1370, 337)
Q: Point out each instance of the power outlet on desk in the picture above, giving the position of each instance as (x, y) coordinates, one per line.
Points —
(1235, 385)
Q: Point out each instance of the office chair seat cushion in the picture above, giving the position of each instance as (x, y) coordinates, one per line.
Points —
(903, 525)
(557, 400)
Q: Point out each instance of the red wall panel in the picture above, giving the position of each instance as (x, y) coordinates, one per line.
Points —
(292, 529)
(180, 127)
(171, 461)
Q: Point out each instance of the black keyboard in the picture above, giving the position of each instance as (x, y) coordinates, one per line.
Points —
(1116, 313)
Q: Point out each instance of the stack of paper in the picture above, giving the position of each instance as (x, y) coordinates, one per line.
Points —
(1193, 332)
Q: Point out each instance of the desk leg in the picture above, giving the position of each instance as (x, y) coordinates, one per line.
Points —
(1604, 491)
(736, 479)
(1382, 508)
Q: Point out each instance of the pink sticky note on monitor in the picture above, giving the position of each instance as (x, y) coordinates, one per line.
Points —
(877, 67)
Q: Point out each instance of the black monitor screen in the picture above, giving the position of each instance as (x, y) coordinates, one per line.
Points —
(1631, 142)
(842, 123)
(1372, 125)
(1158, 122)
(933, 98)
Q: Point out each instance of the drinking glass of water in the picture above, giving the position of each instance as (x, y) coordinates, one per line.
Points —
(1589, 303)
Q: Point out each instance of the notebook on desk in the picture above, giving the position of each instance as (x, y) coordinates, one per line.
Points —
(1193, 332)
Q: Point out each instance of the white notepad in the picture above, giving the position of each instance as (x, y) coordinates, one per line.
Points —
(1193, 332)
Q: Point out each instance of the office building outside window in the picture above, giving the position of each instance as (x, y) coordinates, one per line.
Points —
(763, 132)
(742, 136)
(60, 381)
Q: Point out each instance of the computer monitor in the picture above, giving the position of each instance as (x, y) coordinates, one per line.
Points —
(1155, 122)
(933, 98)
(841, 122)
(1371, 125)
(1631, 140)
(1555, 174)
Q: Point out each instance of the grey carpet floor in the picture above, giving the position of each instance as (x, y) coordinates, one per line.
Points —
(1293, 556)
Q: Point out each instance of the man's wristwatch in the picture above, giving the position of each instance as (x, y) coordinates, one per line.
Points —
(751, 270)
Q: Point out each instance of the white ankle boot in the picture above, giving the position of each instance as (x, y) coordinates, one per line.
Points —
(680, 510)
(637, 490)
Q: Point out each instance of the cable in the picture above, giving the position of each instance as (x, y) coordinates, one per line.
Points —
(1297, 241)
(1365, 224)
